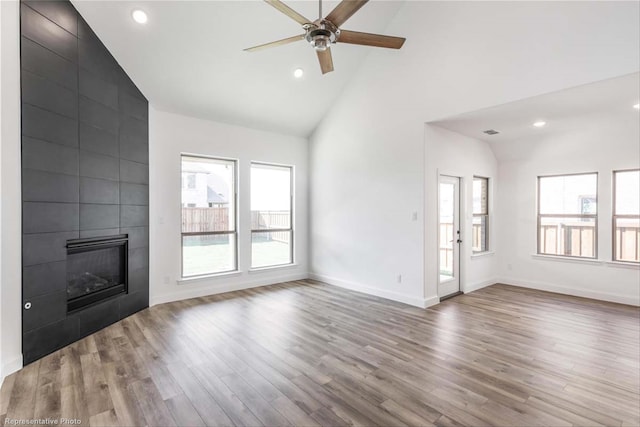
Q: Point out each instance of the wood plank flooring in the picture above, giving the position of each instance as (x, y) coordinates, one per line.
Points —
(309, 354)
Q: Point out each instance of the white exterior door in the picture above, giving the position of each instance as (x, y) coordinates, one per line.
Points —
(449, 238)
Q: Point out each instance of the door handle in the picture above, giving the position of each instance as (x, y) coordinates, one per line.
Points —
(458, 241)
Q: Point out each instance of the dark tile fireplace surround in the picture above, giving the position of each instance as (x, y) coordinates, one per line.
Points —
(84, 182)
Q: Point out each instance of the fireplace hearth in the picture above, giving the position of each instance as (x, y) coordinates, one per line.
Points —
(96, 270)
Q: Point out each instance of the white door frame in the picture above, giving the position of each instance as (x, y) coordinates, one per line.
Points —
(451, 286)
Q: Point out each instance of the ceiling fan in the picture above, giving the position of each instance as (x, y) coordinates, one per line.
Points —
(322, 33)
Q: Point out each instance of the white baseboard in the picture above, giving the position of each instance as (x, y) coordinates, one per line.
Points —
(428, 302)
(10, 367)
(478, 285)
(578, 292)
(394, 296)
(220, 288)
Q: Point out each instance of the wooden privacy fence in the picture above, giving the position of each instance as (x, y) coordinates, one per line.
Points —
(561, 239)
(628, 243)
(269, 219)
(578, 240)
(264, 220)
(568, 239)
(202, 220)
(196, 220)
(446, 248)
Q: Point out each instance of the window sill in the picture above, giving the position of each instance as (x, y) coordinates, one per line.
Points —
(272, 267)
(622, 264)
(482, 254)
(561, 258)
(186, 280)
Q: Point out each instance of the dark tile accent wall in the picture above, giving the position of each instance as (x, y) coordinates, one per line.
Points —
(85, 171)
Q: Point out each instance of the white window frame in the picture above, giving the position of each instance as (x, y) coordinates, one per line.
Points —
(486, 214)
(233, 232)
(614, 216)
(594, 216)
(291, 219)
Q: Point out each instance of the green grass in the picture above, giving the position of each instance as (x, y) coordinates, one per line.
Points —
(269, 253)
(219, 257)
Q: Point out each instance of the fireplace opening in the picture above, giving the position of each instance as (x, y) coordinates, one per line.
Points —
(96, 269)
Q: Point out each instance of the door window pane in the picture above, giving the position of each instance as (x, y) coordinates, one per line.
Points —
(447, 232)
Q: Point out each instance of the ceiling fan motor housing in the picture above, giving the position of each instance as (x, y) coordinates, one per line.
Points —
(321, 37)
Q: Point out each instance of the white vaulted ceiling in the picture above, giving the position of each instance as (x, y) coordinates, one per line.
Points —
(189, 58)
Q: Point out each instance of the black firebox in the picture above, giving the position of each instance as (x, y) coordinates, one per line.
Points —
(96, 270)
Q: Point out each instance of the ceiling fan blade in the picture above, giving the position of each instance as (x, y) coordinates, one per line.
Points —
(326, 60)
(377, 40)
(344, 11)
(289, 12)
(276, 43)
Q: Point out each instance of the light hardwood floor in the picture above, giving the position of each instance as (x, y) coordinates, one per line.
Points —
(308, 354)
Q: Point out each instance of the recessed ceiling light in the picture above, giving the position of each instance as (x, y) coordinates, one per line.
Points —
(139, 16)
(298, 72)
(539, 124)
(637, 106)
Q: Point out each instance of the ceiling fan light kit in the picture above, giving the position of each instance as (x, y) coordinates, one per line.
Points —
(321, 37)
(322, 33)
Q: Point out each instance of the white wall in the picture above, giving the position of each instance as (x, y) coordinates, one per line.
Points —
(10, 225)
(172, 134)
(598, 144)
(1, 370)
(367, 161)
(453, 154)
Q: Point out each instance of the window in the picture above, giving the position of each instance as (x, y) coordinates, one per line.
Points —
(567, 215)
(626, 216)
(209, 233)
(191, 180)
(480, 232)
(188, 180)
(271, 219)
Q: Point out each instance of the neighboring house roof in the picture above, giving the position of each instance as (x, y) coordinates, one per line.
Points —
(213, 197)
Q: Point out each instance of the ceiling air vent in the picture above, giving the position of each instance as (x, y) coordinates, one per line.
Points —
(490, 132)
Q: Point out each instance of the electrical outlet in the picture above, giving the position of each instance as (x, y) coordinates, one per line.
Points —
(166, 280)
(414, 216)
(399, 278)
